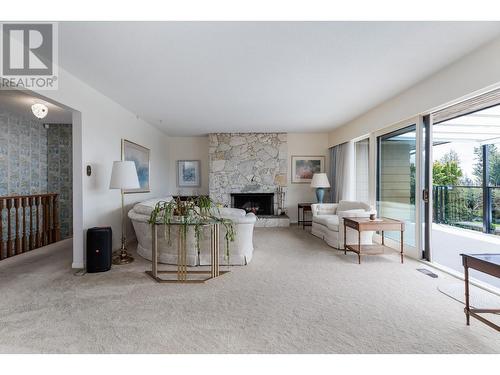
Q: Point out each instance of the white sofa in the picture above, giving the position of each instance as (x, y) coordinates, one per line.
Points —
(240, 250)
(328, 222)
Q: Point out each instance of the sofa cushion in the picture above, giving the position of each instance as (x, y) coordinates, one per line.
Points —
(236, 215)
(354, 213)
(146, 207)
(333, 223)
(227, 212)
(326, 220)
(353, 205)
(325, 208)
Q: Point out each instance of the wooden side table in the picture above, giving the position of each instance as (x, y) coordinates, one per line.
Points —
(365, 224)
(490, 265)
(305, 207)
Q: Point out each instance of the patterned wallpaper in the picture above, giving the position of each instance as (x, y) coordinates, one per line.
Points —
(23, 155)
(36, 160)
(59, 176)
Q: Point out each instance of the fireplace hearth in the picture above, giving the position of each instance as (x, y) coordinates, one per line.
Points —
(258, 203)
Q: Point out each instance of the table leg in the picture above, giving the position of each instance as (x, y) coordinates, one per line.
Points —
(154, 260)
(402, 246)
(214, 247)
(298, 216)
(184, 254)
(217, 250)
(382, 238)
(345, 240)
(359, 247)
(181, 247)
(467, 307)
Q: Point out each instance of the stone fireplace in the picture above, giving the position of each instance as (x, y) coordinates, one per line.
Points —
(246, 163)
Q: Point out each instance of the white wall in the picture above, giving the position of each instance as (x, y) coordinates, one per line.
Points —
(196, 148)
(476, 71)
(98, 127)
(314, 144)
(188, 148)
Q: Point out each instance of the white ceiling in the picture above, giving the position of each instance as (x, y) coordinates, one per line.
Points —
(20, 102)
(191, 78)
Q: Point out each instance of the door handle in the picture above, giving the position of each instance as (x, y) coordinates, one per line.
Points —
(425, 195)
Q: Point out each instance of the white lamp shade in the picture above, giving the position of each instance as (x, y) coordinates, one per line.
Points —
(124, 176)
(320, 180)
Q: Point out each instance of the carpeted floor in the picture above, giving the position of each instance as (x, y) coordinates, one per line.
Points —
(297, 296)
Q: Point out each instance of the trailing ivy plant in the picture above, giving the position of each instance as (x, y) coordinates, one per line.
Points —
(195, 212)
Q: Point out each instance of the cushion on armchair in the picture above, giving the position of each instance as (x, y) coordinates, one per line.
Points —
(353, 205)
(354, 213)
(326, 219)
(324, 208)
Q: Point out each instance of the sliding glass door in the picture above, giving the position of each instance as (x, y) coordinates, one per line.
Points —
(465, 187)
(396, 179)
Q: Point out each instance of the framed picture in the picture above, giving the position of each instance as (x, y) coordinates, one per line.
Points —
(188, 173)
(303, 168)
(141, 157)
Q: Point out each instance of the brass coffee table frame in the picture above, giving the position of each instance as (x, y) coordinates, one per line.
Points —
(182, 273)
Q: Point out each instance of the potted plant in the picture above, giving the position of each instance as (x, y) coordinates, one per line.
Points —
(195, 212)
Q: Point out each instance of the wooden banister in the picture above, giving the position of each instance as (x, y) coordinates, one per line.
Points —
(38, 232)
(1, 230)
(9, 228)
(32, 221)
(32, 229)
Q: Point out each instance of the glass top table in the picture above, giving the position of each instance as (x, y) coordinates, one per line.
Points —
(183, 274)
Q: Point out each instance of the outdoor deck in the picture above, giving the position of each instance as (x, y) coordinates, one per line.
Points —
(449, 242)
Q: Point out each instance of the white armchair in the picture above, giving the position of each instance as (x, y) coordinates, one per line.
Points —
(328, 222)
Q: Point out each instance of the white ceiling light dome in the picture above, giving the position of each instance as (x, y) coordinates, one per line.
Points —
(39, 110)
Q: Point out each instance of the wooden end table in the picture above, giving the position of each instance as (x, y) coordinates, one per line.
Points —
(486, 263)
(362, 224)
(305, 207)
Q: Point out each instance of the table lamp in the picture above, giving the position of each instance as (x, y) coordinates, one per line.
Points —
(123, 176)
(320, 182)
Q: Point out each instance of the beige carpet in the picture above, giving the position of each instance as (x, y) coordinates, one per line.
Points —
(297, 296)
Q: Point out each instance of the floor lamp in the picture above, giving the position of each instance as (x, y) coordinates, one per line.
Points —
(123, 176)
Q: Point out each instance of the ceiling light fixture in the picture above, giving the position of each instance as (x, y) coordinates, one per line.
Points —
(39, 110)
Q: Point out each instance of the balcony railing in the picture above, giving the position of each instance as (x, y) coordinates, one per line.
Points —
(464, 207)
(27, 222)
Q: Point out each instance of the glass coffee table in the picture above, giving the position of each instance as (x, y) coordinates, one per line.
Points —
(182, 274)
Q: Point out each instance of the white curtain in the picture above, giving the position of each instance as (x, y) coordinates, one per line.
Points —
(342, 173)
(362, 166)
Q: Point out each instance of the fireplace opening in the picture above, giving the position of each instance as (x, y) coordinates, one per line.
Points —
(258, 203)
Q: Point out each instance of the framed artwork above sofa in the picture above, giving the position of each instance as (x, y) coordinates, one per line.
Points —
(304, 167)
